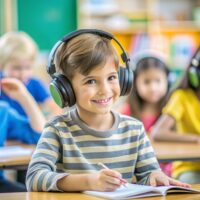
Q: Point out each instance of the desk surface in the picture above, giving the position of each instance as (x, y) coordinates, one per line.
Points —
(165, 152)
(16, 160)
(72, 196)
(173, 151)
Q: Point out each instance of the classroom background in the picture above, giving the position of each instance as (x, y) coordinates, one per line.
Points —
(170, 26)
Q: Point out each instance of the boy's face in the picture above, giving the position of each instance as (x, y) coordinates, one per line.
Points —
(20, 69)
(152, 85)
(96, 92)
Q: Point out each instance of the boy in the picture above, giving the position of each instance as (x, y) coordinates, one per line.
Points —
(72, 145)
(16, 127)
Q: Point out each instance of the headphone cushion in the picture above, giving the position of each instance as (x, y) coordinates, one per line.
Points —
(129, 82)
(56, 94)
(121, 80)
(62, 91)
(125, 80)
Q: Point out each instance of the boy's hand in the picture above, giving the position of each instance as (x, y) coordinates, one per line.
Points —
(105, 180)
(14, 88)
(158, 178)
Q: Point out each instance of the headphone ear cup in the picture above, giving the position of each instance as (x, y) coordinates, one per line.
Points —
(129, 83)
(121, 80)
(193, 77)
(62, 92)
(125, 80)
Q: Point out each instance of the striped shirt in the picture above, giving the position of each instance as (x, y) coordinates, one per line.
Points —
(69, 146)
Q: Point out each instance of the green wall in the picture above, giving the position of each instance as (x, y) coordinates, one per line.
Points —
(47, 20)
(1, 17)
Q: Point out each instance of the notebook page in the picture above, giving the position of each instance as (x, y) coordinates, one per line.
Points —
(175, 189)
(131, 190)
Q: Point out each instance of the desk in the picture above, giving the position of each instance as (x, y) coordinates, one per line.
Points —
(73, 196)
(165, 152)
(176, 151)
(16, 160)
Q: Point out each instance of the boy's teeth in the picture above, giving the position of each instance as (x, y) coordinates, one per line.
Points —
(103, 100)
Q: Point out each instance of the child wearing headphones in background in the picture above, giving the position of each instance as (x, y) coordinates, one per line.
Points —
(17, 55)
(17, 127)
(180, 119)
(72, 145)
(149, 92)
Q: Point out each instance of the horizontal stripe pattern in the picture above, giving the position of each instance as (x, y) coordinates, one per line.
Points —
(69, 147)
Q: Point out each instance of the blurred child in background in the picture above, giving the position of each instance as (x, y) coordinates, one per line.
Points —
(17, 127)
(17, 56)
(180, 120)
(150, 89)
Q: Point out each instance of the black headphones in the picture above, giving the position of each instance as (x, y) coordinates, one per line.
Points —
(194, 70)
(60, 86)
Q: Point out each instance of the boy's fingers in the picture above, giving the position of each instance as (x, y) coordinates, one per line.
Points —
(112, 173)
(175, 182)
(113, 177)
(115, 181)
(152, 182)
(111, 187)
(165, 182)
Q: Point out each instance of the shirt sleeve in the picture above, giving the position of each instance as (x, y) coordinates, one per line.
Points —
(146, 160)
(42, 175)
(174, 106)
(38, 90)
(19, 128)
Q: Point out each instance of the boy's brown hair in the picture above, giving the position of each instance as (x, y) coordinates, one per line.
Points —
(83, 53)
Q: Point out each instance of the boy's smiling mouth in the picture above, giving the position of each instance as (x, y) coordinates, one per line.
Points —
(102, 101)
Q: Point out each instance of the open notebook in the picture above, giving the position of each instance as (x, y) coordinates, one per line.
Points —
(137, 191)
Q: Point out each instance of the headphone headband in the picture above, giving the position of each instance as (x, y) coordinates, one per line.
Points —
(51, 69)
(82, 31)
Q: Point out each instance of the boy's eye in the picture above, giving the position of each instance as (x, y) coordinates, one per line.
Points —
(92, 81)
(113, 77)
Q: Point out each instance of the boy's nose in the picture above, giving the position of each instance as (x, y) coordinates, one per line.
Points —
(104, 89)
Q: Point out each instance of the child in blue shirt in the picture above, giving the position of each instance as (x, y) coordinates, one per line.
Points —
(17, 55)
(14, 126)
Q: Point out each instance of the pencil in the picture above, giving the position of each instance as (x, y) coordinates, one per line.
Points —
(121, 179)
